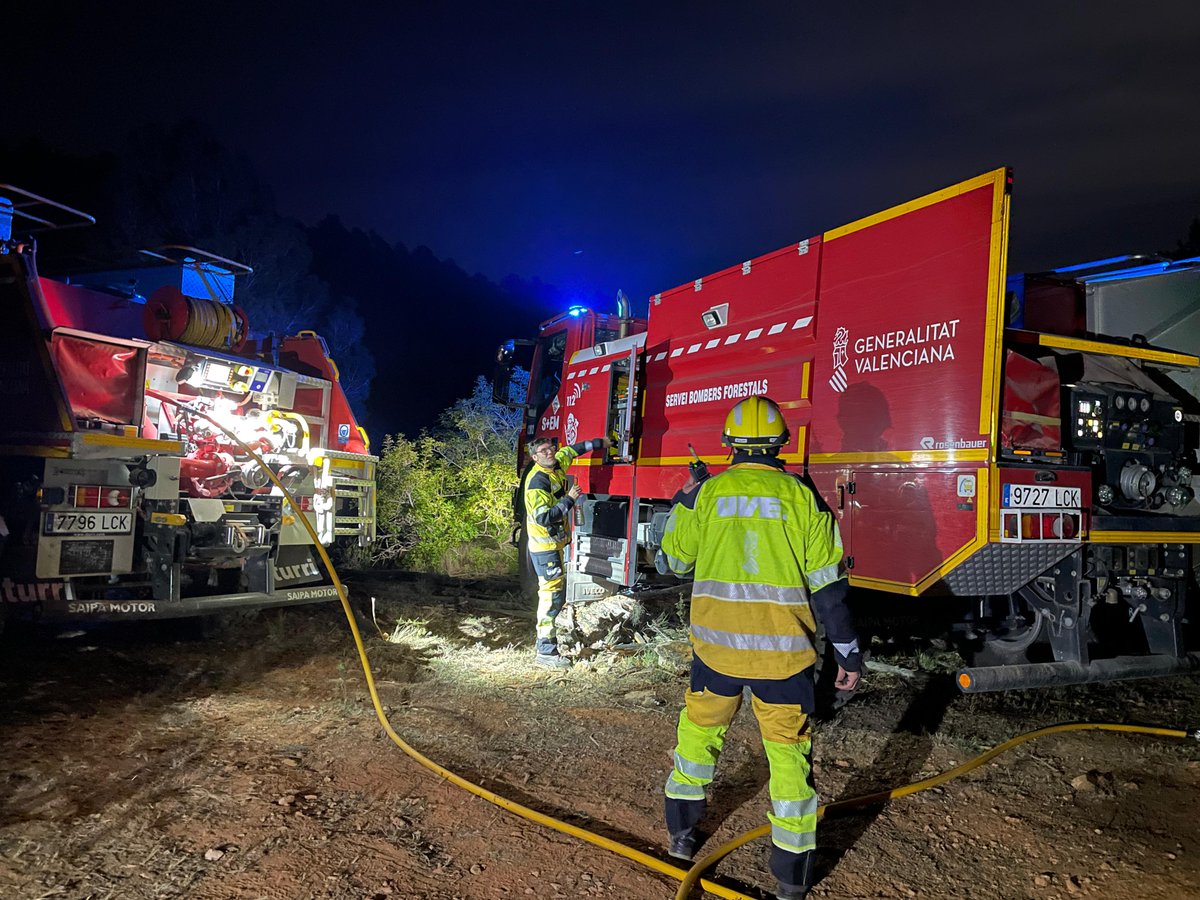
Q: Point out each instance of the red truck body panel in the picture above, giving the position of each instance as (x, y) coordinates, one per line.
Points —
(904, 391)
(1027, 470)
(859, 335)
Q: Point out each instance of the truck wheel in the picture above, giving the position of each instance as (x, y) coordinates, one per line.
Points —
(1010, 646)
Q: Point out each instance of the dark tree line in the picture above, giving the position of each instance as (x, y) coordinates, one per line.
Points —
(410, 332)
(433, 327)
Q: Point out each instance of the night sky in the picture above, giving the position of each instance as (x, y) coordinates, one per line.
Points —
(598, 145)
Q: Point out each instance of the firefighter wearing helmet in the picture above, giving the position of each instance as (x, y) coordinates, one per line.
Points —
(766, 556)
(548, 501)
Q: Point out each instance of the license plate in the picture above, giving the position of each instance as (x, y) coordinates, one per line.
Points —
(1031, 496)
(89, 523)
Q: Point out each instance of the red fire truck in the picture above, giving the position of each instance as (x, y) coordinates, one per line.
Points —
(1006, 444)
(120, 495)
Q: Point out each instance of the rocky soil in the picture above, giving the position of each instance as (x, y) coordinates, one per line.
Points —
(245, 761)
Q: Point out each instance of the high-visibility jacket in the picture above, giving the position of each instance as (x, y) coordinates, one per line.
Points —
(546, 503)
(760, 545)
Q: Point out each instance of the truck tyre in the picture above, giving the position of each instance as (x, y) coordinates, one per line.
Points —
(1012, 646)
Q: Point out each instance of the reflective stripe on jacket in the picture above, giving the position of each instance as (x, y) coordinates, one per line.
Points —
(759, 545)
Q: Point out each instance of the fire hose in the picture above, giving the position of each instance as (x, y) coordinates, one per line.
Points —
(689, 878)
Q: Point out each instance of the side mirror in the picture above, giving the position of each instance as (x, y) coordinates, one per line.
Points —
(502, 379)
(505, 353)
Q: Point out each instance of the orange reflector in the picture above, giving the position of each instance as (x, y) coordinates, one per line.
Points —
(964, 680)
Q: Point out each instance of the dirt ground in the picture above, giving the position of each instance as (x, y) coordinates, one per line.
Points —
(246, 762)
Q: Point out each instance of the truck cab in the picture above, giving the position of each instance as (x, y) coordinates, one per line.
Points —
(548, 409)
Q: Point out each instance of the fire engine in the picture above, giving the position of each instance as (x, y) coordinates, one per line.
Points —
(1020, 448)
(124, 494)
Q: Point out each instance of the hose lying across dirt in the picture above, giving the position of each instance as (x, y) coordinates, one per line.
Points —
(689, 878)
(711, 859)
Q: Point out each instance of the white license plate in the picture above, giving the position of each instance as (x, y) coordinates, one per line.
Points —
(1036, 496)
(88, 523)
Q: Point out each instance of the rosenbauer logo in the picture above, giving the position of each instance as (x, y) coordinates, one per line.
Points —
(928, 443)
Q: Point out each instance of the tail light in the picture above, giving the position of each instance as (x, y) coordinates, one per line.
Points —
(1041, 525)
(102, 496)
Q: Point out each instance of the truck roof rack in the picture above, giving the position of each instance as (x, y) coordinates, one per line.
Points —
(42, 213)
(195, 258)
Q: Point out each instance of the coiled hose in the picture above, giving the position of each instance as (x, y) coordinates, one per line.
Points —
(688, 879)
(209, 324)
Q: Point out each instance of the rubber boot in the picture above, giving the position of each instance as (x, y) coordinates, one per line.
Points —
(793, 872)
(682, 818)
(683, 845)
(790, 892)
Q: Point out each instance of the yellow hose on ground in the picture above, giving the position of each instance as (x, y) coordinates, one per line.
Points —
(504, 803)
(688, 879)
(710, 859)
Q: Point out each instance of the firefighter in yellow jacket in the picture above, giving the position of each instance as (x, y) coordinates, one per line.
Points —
(766, 556)
(548, 502)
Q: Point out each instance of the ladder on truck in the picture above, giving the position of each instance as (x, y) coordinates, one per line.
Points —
(346, 482)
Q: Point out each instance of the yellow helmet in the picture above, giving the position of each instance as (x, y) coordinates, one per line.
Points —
(755, 423)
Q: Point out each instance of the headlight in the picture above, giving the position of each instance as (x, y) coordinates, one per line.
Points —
(1179, 496)
(1145, 404)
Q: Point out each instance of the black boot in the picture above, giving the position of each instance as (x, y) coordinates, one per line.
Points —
(790, 892)
(683, 845)
(793, 871)
(682, 818)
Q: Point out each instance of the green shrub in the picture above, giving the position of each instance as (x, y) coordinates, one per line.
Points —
(444, 501)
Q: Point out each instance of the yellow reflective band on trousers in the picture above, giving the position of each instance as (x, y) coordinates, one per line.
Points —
(785, 737)
(700, 735)
(794, 803)
(703, 724)
(549, 590)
